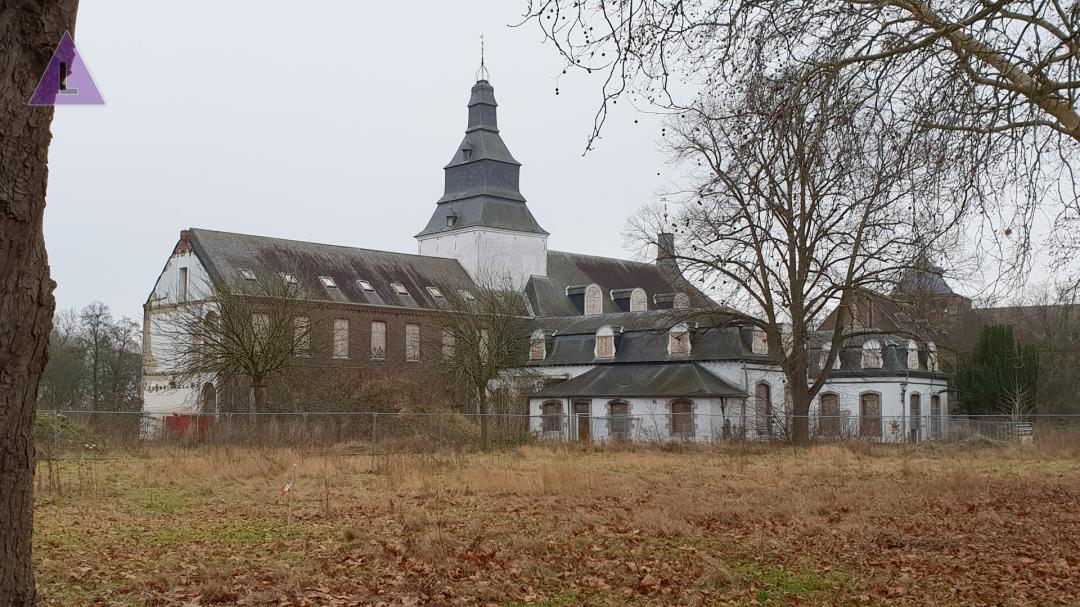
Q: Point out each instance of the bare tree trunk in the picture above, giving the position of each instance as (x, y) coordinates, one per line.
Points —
(481, 403)
(28, 37)
(800, 404)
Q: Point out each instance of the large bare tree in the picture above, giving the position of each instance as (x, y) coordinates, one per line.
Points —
(29, 33)
(483, 340)
(998, 79)
(806, 196)
(253, 331)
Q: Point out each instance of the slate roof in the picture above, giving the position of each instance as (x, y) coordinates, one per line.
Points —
(665, 380)
(923, 277)
(548, 294)
(642, 337)
(893, 357)
(482, 178)
(225, 253)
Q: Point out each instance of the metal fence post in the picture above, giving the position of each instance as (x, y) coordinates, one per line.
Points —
(374, 436)
(439, 440)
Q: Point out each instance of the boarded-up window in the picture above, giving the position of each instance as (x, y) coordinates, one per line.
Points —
(639, 301)
(538, 346)
(412, 342)
(760, 344)
(552, 416)
(871, 354)
(594, 300)
(341, 338)
(829, 416)
(605, 343)
(935, 416)
(915, 416)
(682, 419)
(448, 343)
(619, 419)
(870, 415)
(763, 409)
(378, 340)
(679, 340)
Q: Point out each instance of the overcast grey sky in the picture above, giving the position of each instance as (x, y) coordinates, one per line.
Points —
(327, 121)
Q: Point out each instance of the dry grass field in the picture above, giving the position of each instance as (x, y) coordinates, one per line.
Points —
(746, 525)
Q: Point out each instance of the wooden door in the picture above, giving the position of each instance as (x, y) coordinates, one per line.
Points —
(581, 414)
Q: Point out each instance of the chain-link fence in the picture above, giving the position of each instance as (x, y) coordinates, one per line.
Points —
(64, 434)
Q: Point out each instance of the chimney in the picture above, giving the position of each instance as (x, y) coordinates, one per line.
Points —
(665, 255)
(183, 246)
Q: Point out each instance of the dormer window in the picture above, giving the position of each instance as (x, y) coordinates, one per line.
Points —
(912, 355)
(871, 354)
(451, 220)
(681, 301)
(328, 282)
(288, 277)
(466, 152)
(594, 299)
(365, 285)
(247, 274)
(435, 292)
(537, 346)
(605, 343)
(639, 301)
(931, 357)
(825, 350)
(399, 289)
(760, 344)
(679, 340)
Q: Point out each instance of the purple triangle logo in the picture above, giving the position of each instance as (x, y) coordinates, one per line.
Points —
(66, 80)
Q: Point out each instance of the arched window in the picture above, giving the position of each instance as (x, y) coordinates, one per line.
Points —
(681, 301)
(678, 340)
(870, 415)
(538, 346)
(682, 418)
(915, 416)
(594, 299)
(935, 416)
(619, 419)
(763, 408)
(871, 354)
(912, 355)
(829, 415)
(639, 301)
(931, 357)
(208, 399)
(605, 343)
(552, 416)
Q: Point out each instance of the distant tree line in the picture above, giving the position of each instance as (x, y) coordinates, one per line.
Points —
(95, 361)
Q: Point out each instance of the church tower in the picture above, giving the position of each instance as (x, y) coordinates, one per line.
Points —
(482, 219)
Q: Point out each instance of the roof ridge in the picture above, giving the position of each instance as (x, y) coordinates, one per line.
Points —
(642, 263)
(322, 244)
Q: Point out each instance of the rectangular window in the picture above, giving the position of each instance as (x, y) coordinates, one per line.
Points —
(341, 338)
(289, 279)
(412, 343)
(365, 285)
(302, 336)
(260, 324)
(400, 289)
(619, 422)
(247, 274)
(435, 292)
(328, 282)
(378, 340)
(466, 295)
(183, 286)
(448, 343)
(552, 416)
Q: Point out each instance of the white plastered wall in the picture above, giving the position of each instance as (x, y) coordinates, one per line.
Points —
(489, 254)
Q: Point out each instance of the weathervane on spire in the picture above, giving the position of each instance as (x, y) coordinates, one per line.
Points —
(482, 73)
